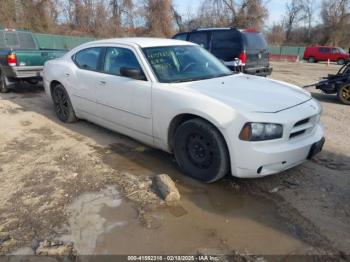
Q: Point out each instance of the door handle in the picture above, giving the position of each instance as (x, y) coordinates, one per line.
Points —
(102, 82)
(67, 74)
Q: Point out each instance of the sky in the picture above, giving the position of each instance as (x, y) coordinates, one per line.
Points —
(276, 8)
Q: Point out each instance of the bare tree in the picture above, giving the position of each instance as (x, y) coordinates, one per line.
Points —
(293, 15)
(309, 8)
(159, 17)
(121, 10)
(335, 17)
(277, 35)
(243, 13)
(8, 13)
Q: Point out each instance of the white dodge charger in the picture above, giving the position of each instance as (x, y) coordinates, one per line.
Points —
(176, 96)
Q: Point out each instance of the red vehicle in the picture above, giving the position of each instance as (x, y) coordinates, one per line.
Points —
(314, 54)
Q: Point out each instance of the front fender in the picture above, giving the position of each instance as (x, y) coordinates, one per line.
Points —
(168, 104)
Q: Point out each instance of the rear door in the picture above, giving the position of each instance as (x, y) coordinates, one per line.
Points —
(85, 78)
(256, 49)
(226, 45)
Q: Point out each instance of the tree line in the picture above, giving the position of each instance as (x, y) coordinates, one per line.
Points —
(302, 21)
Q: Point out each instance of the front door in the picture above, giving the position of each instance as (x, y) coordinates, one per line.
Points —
(124, 101)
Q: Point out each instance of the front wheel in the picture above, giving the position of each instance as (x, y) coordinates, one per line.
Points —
(201, 151)
(63, 106)
(3, 85)
(344, 94)
(341, 62)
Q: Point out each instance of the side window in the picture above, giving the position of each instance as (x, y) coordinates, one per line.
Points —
(226, 45)
(26, 40)
(182, 37)
(2, 39)
(88, 58)
(200, 38)
(11, 39)
(117, 58)
(335, 51)
(324, 50)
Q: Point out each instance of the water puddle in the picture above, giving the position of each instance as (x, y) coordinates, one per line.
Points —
(86, 222)
(208, 217)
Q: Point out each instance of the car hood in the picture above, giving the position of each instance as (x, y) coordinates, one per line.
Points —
(251, 93)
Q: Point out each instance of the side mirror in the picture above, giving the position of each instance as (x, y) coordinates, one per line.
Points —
(134, 73)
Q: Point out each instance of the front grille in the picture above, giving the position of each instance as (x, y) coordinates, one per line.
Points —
(297, 133)
(302, 127)
(302, 122)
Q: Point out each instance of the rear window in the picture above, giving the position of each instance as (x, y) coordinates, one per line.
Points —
(18, 40)
(181, 37)
(254, 40)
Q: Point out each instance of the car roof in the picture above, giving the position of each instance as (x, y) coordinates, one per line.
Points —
(143, 42)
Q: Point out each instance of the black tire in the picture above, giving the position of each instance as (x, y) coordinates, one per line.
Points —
(3, 86)
(312, 60)
(63, 106)
(341, 62)
(201, 151)
(344, 94)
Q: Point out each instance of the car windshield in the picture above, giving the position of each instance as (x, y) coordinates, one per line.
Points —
(341, 50)
(173, 64)
(254, 41)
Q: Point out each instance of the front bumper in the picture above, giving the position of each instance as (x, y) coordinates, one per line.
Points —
(269, 160)
(259, 159)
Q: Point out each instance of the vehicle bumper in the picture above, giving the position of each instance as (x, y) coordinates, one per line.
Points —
(259, 159)
(259, 71)
(275, 159)
(23, 72)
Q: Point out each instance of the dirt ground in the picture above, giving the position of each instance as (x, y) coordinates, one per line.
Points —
(84, 184)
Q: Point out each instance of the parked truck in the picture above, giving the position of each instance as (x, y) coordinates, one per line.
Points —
(21, 58)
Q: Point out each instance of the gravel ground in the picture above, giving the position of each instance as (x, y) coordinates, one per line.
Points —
(46, 165)
(320, 189)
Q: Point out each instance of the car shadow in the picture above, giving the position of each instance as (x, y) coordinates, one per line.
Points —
(326, 98)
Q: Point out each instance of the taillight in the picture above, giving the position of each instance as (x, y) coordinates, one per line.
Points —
(243, 57)
(12, 60)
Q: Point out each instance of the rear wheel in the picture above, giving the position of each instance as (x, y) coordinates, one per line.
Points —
(3, 86)
(344, 94)
(63, 106)
(201, 151)
(312, 60)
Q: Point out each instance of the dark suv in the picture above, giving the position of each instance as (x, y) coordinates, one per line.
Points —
(240, 50)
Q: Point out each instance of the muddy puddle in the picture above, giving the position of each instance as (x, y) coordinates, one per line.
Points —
(208, 217)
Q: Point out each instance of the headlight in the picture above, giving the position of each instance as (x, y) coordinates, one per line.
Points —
(261, 131)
